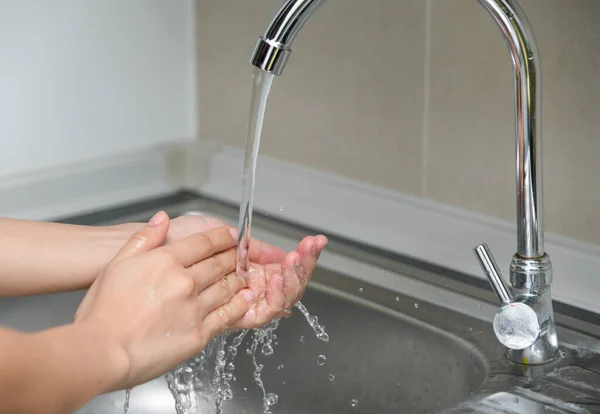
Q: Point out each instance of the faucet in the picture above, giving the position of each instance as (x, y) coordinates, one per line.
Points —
(524, 325)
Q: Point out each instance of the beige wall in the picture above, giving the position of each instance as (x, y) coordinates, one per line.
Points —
(416, 95)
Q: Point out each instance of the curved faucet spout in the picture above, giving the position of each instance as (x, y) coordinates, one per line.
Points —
(274, 47)
(530, 270)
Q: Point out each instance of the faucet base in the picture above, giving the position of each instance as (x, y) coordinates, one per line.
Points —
(531, 281)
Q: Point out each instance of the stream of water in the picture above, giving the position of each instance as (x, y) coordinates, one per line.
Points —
(203, 384)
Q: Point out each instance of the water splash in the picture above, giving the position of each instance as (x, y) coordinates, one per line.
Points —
(264, 336)
(313, 321)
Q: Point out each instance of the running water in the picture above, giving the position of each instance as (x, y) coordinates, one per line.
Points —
(127, 396)
(261, 86)
(202, 384)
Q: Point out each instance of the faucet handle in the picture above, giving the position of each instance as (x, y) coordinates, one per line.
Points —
(490, 269)
(516, 324)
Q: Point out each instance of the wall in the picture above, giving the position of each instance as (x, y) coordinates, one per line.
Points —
(416, 96)
(83, 79)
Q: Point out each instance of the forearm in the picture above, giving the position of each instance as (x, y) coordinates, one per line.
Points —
(56, 371)
(38, 257)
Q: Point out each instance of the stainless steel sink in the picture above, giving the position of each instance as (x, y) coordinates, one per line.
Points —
(403, 339)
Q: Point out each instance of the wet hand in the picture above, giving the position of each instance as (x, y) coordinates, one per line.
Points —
(161, 304)
(184, 226)
(279, 286)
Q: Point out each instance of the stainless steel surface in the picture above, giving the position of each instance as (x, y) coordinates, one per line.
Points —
(272, 53)
(391, 351)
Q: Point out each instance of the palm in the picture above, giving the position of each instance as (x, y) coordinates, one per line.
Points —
(277, 278)
(278, 286)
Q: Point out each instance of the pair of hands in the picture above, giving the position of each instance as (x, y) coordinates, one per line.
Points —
(173, 287)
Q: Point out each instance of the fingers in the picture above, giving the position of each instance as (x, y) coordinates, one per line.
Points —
(225, 316)
(298, 268)
(274, 293)
(149, 237)
(265, 253)
(209, 271)
(200, 246)
(219, 293)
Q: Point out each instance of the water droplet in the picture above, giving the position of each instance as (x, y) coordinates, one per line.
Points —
(280, 208)
(272, 399)
(302, 338)
(530, 56)
(230, 366)
(245, 389)
(279, 367)
(331, 377)
(360, 289)
(397, 298)
(416, 305)
(321, 360)
(354, 402)
(323, 336)
(227, 395)
(267, 349)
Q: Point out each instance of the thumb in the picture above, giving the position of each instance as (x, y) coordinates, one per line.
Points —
(149, 237)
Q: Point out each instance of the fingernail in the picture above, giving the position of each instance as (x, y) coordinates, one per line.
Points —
(248, 295)
(234, 233)
(157, 219)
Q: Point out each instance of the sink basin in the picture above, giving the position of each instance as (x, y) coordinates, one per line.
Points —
(396, 345)
(386, 361)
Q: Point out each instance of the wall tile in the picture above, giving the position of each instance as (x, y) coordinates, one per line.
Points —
(471, 118)
(351, 99)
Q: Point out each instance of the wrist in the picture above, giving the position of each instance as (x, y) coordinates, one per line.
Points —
(111, 354)
(92, 349)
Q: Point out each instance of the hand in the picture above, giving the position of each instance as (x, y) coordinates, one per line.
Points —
(279, 286)
(160, 305)
(184, 226)
(278, 280)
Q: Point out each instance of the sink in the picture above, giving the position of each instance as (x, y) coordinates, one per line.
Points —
(385, 360)
(399, 343)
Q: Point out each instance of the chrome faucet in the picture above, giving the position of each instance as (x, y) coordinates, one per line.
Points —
(525, 322)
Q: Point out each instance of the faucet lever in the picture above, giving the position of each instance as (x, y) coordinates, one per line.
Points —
(490, 269)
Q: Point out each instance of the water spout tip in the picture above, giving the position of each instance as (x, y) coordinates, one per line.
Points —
(270, 56)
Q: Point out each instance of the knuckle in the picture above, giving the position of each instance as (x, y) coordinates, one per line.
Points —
(224, 288)
(206, 242)
(139, 238)
(167, 259)
(224, 315)
(231, 257)
(188, 285)
(216, 265)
